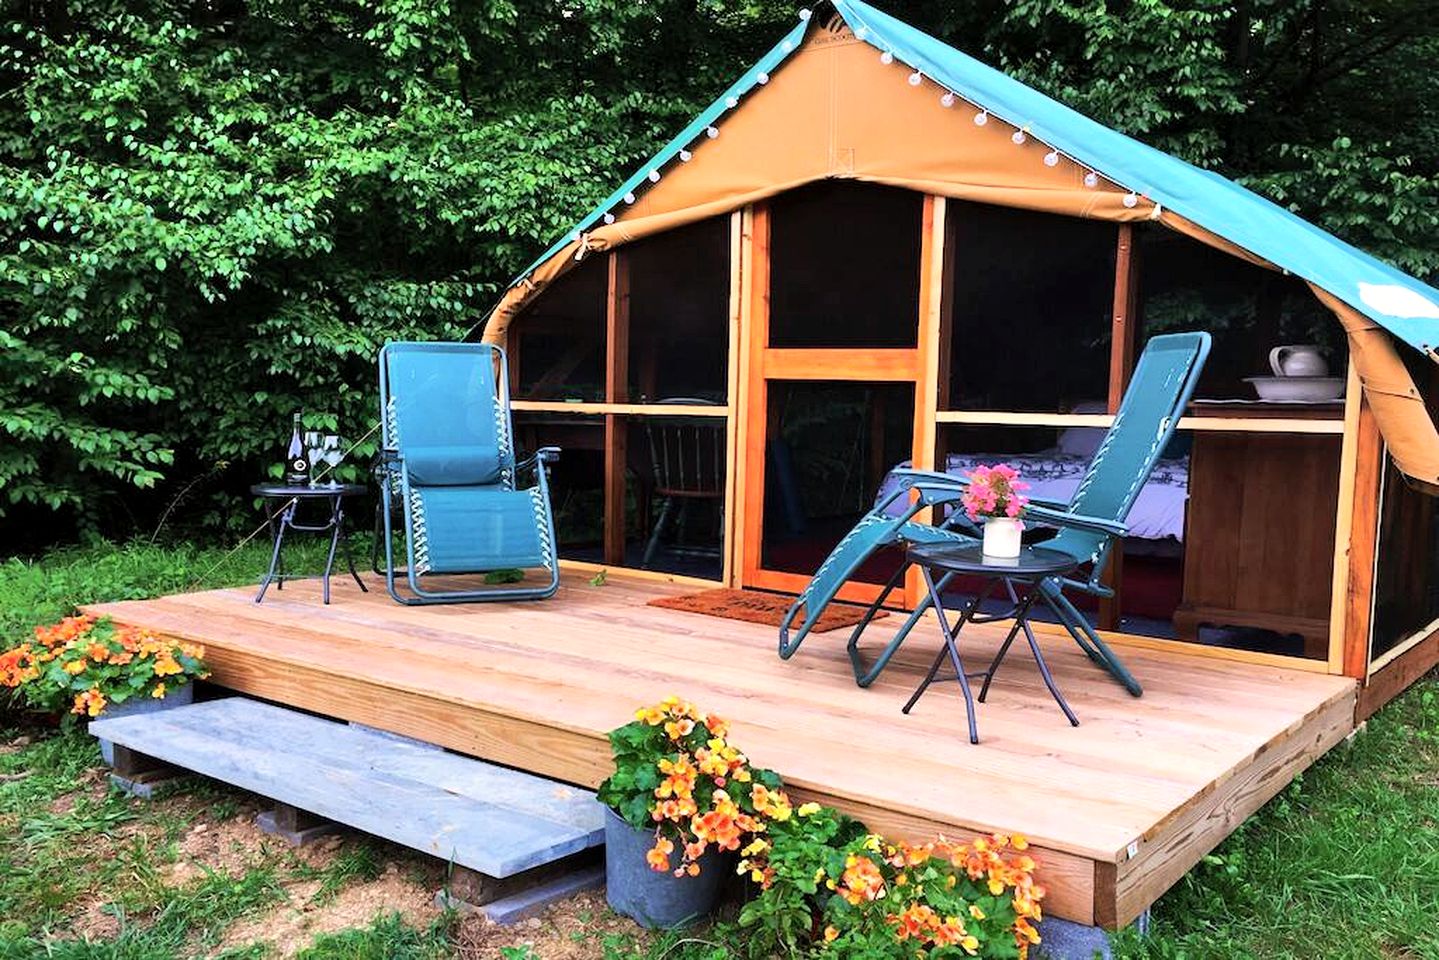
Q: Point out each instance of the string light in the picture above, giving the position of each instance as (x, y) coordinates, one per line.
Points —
(886, 58)
(711, 132)
(609, 218)
(685, 156)
(1018, 137)
(916, 78)
(787, 46)
(731, 102)
(1131, 199)
(654, 176)
(629, 198)
(861, 33)
(981, 118)
(804, 14)
(947, 100)
(1091, 179)
(762, 79)
(1051, 159)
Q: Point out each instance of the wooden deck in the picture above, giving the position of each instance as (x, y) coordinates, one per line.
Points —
(1118, 808)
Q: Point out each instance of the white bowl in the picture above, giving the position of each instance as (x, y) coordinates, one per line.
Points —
(1298, 389)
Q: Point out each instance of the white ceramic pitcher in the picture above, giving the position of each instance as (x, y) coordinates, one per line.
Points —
(1298, 360)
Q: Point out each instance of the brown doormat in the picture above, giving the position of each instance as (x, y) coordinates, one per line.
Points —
(755, 607)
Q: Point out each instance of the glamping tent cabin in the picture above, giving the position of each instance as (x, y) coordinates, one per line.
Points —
(871, 250)
(874, 250)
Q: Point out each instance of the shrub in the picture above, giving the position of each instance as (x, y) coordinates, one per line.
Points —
(881, 899)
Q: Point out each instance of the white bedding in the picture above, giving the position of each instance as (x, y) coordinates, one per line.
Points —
(1157, 514)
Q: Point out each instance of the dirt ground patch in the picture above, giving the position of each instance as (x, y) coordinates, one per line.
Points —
(289, 927)
(572, 929)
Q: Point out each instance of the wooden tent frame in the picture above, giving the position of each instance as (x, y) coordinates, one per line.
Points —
(752, 362)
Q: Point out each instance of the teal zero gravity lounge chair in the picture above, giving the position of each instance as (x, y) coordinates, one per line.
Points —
(449, 478)
(1089, 524)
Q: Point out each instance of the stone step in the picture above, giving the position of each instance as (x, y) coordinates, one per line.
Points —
(488, 818)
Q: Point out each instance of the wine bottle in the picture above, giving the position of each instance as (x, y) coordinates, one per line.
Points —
(297, 465)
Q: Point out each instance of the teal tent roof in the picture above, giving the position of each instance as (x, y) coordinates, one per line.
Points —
(1405, 306)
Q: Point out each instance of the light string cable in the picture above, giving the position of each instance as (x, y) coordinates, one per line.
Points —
(865, 33)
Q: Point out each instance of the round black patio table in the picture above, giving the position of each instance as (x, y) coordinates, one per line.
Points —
(1021, 577)
(282, 504)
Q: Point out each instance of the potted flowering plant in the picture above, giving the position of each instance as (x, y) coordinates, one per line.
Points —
(88, 667)
(994, 496)
(682, 801)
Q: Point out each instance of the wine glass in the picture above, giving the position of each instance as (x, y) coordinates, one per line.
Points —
(314, 451)
(333, 455)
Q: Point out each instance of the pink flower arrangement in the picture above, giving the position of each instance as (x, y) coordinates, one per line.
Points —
(995, 492)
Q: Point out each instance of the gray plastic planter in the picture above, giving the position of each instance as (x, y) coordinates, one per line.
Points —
(654, 898)
(176, 697)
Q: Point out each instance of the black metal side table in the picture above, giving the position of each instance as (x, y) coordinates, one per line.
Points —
(282, 504)
(1026, 572)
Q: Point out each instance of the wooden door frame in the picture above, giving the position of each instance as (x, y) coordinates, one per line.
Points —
(759, 363)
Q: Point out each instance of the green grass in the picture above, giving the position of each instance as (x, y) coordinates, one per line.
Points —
(41, 591)
(1343, 864)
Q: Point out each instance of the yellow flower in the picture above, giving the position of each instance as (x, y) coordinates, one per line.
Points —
(809, 809)
(975, 912)
(75, 667)
(756, 846)
(166, 666)
(830, 934)
(159, 691)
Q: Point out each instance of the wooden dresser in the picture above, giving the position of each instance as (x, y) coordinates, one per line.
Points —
(1259, 537)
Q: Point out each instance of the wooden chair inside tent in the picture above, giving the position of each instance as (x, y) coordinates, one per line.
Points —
(687, 457)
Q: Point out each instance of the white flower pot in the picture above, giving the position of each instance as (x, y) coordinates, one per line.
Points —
(1002, 537)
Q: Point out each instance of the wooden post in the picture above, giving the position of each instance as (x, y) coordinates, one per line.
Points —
(1123, 333)
(933, 351)
(617, 378)
(1123, 326)
(754, 324)
(733, 404)
(1363, 536)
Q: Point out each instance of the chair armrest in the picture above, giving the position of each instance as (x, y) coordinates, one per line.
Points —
(908, 477)
(1076, 521)
(544, 456)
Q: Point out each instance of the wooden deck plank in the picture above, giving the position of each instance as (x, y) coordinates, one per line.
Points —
(538, 684)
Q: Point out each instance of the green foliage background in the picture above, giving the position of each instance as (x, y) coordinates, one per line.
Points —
(213, 213)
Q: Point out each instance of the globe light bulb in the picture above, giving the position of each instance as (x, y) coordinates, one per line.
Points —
(762, 79)
(731, 102)
(685, 156)
(947, 100)
(1018, 137)
(609, 218)
(788, 46)
(804, 14)
(1131, 199)
(1091, 179)
(654, 176)
(629, 198)
(981, 118)
(916, 78)
(711, 132)
(886, 57)
(861, 33)
(1051, 159)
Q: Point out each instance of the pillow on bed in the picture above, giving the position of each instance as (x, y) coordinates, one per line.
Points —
(1083, 441)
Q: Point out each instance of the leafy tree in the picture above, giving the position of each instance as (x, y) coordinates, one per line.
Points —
(213, 214)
